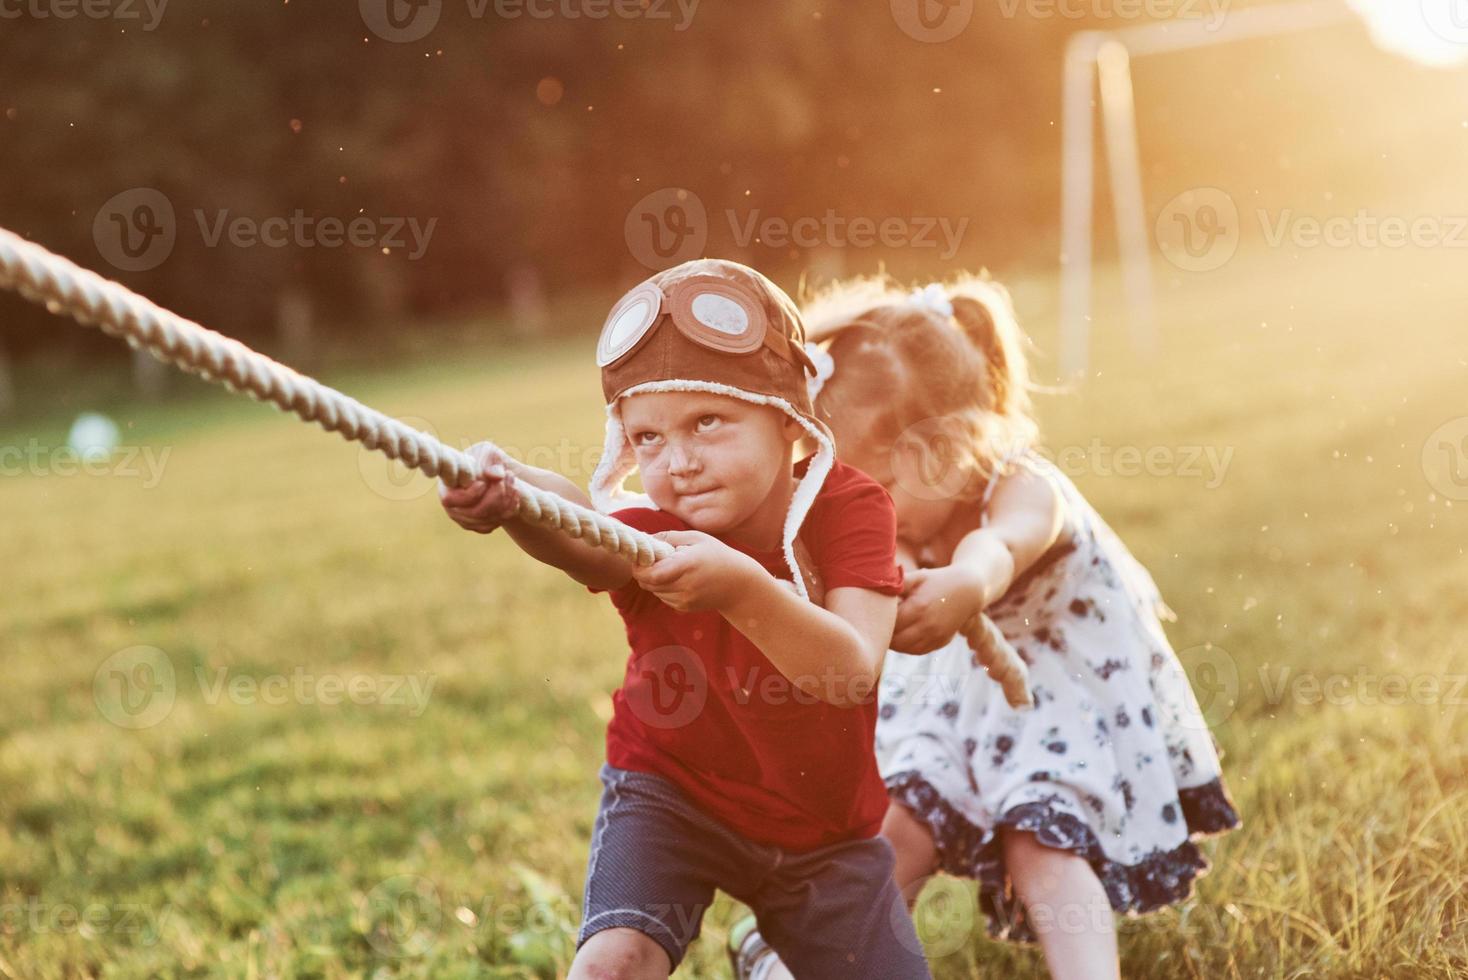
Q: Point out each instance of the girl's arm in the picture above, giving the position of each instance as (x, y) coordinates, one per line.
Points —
(1024, 517)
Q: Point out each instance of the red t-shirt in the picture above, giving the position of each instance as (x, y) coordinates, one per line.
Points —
(701, 706)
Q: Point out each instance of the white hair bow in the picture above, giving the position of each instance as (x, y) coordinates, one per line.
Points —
(933, 297)
(825, 367)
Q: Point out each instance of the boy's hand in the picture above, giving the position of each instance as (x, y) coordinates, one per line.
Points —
(703, 573)
(490, 500)
(936, 603)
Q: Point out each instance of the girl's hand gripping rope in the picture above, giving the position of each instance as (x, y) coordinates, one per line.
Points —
(936, 603)
(939, 602)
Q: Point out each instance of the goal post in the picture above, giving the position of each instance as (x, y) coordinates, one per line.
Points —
(1104, 58)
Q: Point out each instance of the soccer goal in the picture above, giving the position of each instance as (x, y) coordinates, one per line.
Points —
(1433, 32)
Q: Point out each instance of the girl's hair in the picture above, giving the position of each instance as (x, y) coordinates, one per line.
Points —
(963, 376)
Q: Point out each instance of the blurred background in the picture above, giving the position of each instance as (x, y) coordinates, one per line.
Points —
(499, 148)
(1257, 362)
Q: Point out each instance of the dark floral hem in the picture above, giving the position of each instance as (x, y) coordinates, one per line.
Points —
(966, 850)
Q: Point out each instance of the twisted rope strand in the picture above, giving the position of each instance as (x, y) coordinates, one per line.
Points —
(1001, 660)
(65, 288)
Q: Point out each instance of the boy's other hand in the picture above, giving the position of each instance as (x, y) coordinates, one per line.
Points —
(490, 500)
(703, 573)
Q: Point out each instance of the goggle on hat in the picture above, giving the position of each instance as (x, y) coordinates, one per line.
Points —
(715, 313)
(714, 326)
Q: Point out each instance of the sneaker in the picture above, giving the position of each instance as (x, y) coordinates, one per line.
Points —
(751, 956)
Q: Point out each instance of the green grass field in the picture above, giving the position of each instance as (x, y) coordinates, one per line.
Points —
(250, 830)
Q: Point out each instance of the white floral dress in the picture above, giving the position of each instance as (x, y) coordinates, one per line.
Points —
(1115, 762)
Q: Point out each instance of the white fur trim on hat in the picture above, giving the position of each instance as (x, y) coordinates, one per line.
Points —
(825, 367)
(618, 462)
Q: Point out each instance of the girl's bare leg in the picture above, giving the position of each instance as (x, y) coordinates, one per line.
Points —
(1066, 906)
(917, 855)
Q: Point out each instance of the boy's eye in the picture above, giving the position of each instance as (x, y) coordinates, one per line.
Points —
(708, 421)
(644, 438)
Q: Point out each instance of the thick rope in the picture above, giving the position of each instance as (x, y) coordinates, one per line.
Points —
(65, 288)
(1001, 660)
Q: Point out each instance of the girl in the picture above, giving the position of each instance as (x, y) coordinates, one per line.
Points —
(1088, 803)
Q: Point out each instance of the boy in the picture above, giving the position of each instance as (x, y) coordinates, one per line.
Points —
(739, 755)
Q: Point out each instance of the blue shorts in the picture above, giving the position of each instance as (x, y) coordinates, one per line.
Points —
(656, 860)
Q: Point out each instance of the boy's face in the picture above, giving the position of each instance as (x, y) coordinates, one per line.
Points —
(713, 461)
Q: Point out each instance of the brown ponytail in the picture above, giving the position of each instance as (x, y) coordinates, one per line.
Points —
(914, 363)
(978, 327)
(983, 310)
